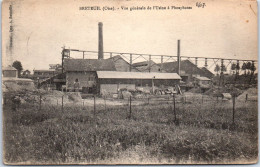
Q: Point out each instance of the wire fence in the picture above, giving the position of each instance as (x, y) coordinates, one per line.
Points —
(95, 103)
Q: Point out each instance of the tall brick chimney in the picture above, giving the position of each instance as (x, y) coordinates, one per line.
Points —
(178, 58)
(100, 41)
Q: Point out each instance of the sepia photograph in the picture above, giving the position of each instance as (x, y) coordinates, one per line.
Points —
(129, 82)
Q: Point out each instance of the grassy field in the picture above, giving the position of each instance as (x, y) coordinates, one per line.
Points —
(204, 133)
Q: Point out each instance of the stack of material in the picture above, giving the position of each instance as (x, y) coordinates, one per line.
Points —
(251, 94)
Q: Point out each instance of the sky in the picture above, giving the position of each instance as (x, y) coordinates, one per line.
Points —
(224, 29)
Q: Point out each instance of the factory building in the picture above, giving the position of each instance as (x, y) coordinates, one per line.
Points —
(100, 75)
(112, 81)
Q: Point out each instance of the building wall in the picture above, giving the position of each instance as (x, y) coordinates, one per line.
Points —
(10, 73)
(86, 79)
(111, 85)
(141, 82)
(113, 88)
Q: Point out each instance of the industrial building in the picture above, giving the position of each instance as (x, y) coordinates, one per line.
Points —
(100, 75)
(112, 81)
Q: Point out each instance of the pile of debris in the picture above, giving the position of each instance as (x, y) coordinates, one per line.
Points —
(219, 91)
(250, 94)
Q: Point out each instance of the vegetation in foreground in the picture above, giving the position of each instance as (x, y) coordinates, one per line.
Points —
(204, 133)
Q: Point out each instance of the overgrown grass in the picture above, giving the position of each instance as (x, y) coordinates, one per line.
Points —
(205, 134)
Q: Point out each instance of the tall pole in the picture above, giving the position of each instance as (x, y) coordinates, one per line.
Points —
(153, 84)
(130, 107)
(178, 57)
(149, 63)
(62, 59)
(100, 41)
(131, 62)
(161, 63)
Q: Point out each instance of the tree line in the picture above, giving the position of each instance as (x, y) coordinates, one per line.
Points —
(247, 67)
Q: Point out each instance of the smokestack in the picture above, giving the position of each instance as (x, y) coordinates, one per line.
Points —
(100, 41)
(178, 58)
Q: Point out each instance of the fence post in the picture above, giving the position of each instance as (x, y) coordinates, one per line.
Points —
(62, 103)
(148, 100)
(40, 102)
(94, 106)
(246, 97)
(174, 109)
(130, 107)
(234, 103)
(105, 103)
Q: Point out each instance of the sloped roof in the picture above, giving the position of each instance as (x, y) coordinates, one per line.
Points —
(136, 75)
(9, 68)
(89, 65)
(173, 66)
(119, 57)
(187, 66)
(208, 73)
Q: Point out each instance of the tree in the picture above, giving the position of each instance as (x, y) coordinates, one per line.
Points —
(244, 68)
(237, 70)
(252, 69)
(233, 67)
(224, 68)
(238, 67)
(248, 67)
(18, 65)
(217, 69)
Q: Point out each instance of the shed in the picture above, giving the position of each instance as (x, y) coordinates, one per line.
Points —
(203, 82)
(111, 81)
(10, 72)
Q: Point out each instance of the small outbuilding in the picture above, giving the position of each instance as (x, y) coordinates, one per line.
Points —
(10, 72)
(202, 81)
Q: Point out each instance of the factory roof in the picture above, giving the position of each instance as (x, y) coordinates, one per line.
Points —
(89, 65)
(9, 68)
(136, 75)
